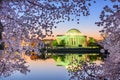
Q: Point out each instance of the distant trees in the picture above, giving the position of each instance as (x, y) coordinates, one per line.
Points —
(92, 42)
(54, 43)
(61, 44)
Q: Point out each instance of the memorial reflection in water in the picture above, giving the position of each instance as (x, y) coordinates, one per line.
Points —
(53, 67)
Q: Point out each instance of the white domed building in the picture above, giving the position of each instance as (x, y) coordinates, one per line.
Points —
(73, 38)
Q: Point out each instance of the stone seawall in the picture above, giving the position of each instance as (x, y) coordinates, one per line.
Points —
(74, 50)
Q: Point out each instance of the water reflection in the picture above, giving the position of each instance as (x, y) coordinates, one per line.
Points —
(75, 64)
(52, 67)
(65, 60)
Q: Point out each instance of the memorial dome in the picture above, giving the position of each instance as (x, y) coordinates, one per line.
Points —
(73, 32)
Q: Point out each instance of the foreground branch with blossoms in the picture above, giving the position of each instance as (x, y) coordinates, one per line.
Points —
(9, 63)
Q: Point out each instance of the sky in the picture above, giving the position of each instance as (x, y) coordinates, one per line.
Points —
(87, 24)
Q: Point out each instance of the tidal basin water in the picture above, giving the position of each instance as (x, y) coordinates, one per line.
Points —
(53, 68)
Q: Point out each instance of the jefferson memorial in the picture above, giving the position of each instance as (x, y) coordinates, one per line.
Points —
(73, 38)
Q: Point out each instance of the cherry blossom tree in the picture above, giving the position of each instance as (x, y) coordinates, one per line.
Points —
(109, 70)
(110, 21)
(26, 20)
(9, 63)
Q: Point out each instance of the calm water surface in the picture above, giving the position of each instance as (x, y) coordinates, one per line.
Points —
(44, 69)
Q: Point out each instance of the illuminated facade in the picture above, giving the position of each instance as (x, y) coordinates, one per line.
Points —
(73, 38)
